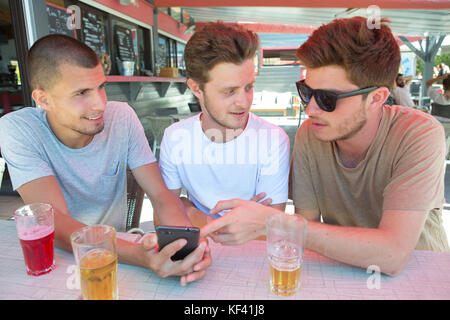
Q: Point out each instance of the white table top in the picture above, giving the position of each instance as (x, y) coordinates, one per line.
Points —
(237, 273)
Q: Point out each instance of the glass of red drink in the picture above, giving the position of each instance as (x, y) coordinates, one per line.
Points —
(36, 231)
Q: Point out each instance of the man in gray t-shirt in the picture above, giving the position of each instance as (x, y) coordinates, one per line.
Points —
(74, 150)
(93, 178)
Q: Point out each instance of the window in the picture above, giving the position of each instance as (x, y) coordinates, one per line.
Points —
(175, 12)
(94, 31)
(165, 10)
(279, 57)
(173, 54)
(180, 56)
(114, 39)
(162, 58)
(170, 53)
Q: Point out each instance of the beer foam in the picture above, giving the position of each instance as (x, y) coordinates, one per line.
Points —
(36, 232)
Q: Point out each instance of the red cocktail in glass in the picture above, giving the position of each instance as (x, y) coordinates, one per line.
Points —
(36, 233)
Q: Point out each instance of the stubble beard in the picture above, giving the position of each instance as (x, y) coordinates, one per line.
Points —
(359, 120)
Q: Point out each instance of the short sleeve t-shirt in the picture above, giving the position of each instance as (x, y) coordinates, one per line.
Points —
(437, 97)
(403, 170)
(93, 178)
(402, 96)
(256, 161)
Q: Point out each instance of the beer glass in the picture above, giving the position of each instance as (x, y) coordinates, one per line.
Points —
(94, 249)
(36, 231)
(286, 236)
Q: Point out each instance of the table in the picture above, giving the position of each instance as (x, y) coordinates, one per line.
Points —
(237, 273)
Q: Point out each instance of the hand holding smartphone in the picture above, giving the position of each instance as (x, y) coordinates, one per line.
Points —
(169, 234)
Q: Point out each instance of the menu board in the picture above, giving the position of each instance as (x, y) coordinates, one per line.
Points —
(124, 43)
(93, 32)
(57, 20)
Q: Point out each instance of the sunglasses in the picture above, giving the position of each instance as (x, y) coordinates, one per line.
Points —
(325, 99)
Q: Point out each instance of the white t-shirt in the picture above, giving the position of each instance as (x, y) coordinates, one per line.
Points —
(437, 97)
(402, 96)
(254, 162)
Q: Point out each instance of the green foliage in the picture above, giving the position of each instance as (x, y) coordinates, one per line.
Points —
(445, 58)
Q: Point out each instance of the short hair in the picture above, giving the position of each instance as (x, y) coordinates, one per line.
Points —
(446, 83)
(370, 57)
(50, 52)
(216, 43)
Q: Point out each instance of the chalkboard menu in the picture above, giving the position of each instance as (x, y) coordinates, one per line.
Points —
(124, 43)
(93, 32)
(57, 20)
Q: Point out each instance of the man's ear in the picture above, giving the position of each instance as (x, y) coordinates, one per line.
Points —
(378, 97)
(41, 98)
(195, 88)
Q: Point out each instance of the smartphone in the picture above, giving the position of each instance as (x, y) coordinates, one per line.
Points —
(168, 234)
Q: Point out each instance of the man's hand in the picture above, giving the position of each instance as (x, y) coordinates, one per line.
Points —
(259, 197)
(245, 221)
(191, 268)
(433, 80)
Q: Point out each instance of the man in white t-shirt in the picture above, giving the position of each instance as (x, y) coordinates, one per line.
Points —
(401, 91)
(225, 152)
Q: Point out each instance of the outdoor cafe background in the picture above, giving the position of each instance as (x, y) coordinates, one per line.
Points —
(154, 39)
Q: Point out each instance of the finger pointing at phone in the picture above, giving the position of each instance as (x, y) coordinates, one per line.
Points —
(245, 221)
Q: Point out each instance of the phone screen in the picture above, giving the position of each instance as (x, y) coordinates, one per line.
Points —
(169, 234)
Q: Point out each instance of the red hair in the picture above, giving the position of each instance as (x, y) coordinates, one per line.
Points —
(371, 57)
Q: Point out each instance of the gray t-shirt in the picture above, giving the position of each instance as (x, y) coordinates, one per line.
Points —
(93, 178)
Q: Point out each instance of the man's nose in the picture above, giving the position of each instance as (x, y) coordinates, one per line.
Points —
(312, 108)
(100, 99)
(244, 99)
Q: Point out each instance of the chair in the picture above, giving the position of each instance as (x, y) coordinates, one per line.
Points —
(194, 106)
(135, 199)
(166, 111)
(157, 127)
(2, 170)
(440, 110)
(414, 88)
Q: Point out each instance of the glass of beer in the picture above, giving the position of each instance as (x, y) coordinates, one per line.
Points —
(94, 249)
(36, 231)
(286, 235)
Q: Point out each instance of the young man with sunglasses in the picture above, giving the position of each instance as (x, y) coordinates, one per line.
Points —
(368, 177)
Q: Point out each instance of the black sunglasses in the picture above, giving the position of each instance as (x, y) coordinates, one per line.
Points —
(326, 100)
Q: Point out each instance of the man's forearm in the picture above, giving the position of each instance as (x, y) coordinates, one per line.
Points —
(433, 80)
(356, 246)
(196, 216)
(169, 210)
(65, 226)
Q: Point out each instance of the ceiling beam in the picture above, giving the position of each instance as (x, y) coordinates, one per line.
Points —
(383, 4)
(268, 28)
